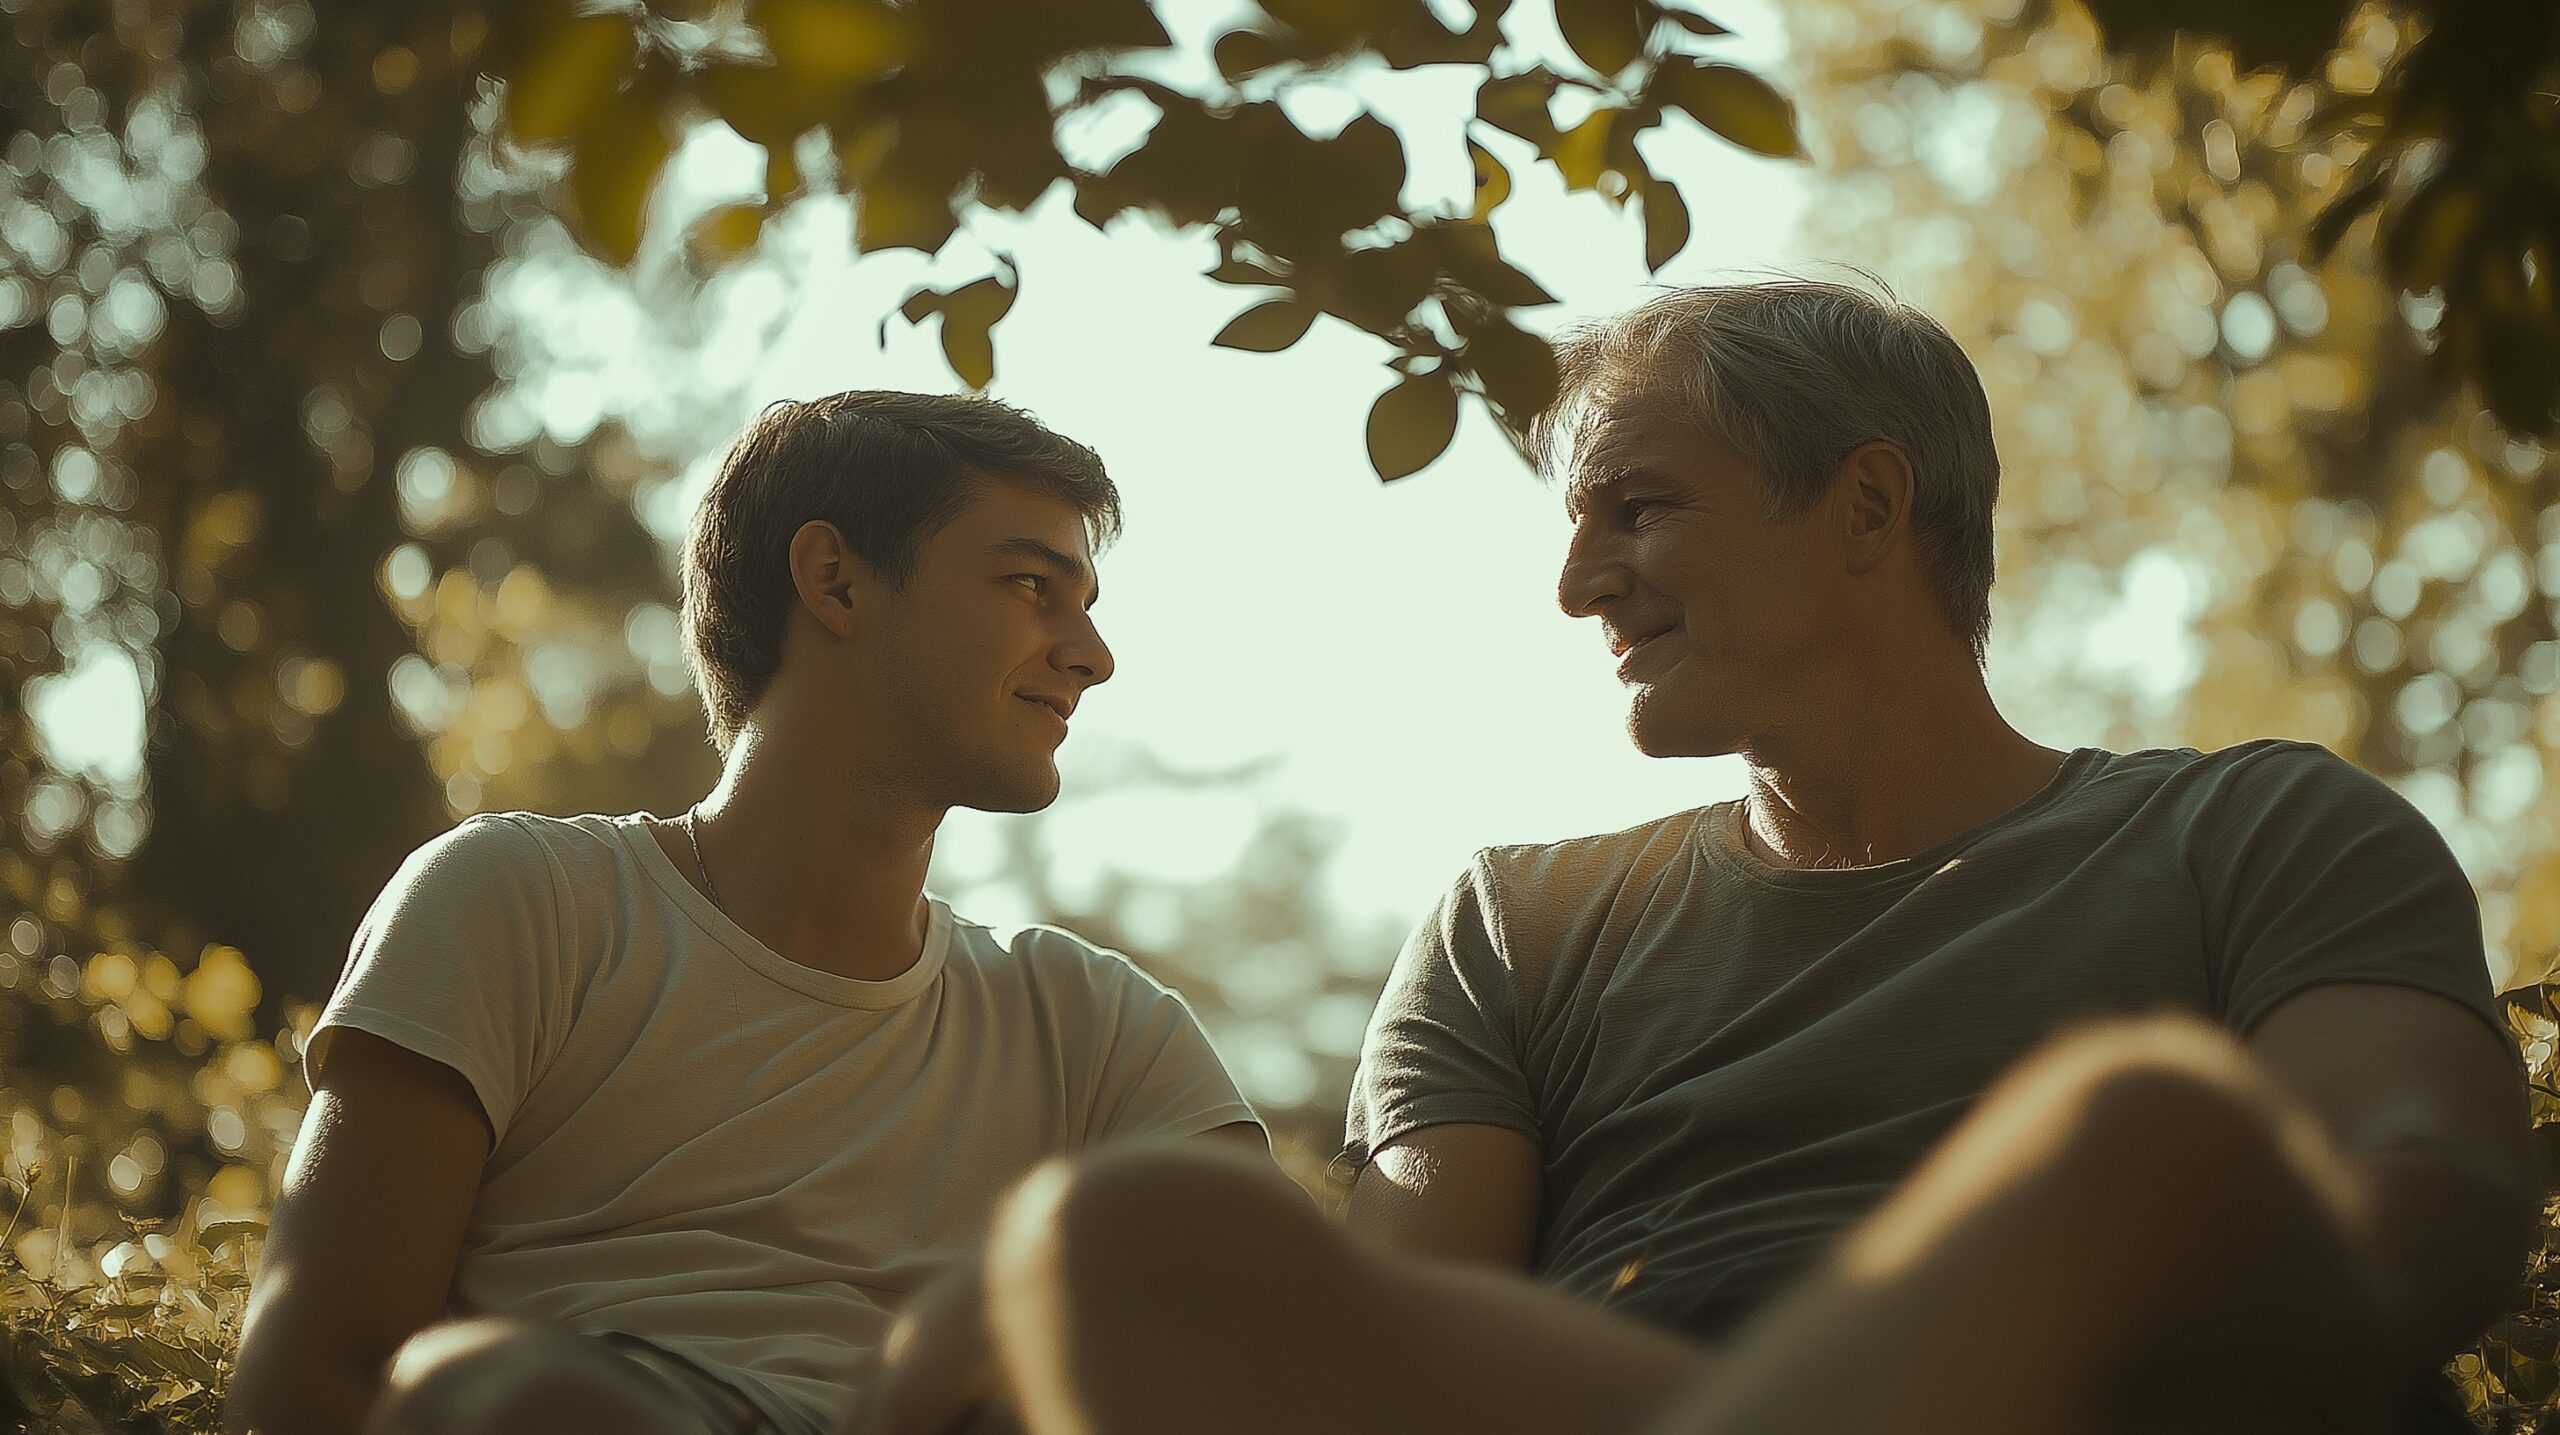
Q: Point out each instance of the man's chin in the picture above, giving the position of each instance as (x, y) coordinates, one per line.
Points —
(1658, 733)
(1027, 791)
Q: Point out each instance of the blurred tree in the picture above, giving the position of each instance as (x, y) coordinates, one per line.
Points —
(2459, 155)
(2239, 499)
(245, 242)
(277, 595)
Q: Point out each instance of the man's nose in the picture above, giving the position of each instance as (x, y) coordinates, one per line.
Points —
(1592, 578)
(1087, 656)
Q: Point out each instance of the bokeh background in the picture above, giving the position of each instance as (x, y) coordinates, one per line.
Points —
(352, 403)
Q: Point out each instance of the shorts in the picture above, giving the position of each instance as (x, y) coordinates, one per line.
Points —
(722, 1407)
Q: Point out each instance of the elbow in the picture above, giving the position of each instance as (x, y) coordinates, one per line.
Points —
(2519, 1209)
(283, 1383)
(2452, 1262)
(259, 1398)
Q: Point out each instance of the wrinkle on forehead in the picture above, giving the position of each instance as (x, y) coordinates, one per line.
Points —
(1595, 452)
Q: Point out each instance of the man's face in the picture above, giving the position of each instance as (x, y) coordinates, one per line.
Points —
(1717, 615)
(975, 664)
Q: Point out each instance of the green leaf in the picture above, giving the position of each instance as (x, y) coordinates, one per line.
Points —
(1411, 424)
(1517, 370)
(1493, 182)
(1607, 34)
(1378, 289)
(782, 177)
(1267, 328)
(1582, 154)
(969, 315)
(1666, 223)
(1410, 36)
(615, 166)
(1733, 102)
(1698, 25)
(1242, 54)
(725, 234)
(177, 1360)
(566, 67)
(2433, 226)
(1519, 105)
(901, 210)
(1470, 255)
(825, 45)
(1366, 167)
(215, 1235)
(2340, 214)
(1234, 268)
(1119, 25)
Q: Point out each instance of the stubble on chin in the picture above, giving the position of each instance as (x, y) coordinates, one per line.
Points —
(1648, 726)
(1658, 729)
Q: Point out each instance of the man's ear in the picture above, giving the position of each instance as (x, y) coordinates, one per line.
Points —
(833, 581)
(1872, 496)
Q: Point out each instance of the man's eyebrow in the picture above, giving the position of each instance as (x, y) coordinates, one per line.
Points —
(1598, 480)
(1077, 570)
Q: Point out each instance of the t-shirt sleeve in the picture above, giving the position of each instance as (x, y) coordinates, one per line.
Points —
(1158, 1074)
(2315, 872)
(1444, 1044)
(461, 961)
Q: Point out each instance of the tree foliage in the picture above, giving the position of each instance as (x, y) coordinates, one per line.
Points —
(2203, 412)
(2264, 296)
(927, 113)
(2458, 156)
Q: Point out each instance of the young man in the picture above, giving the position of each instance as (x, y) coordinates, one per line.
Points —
(1850, 1105)
(642, 1125)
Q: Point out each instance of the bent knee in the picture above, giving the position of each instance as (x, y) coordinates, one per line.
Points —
(1148, 1208)
(1106, 1248)
(499, 1374)
(2174, 1105)
(1170, 1252)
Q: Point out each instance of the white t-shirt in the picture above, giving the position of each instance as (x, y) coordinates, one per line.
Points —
(705, 1144)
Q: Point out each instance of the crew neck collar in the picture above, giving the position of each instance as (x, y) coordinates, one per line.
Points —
(1724, 840)
(829, 987)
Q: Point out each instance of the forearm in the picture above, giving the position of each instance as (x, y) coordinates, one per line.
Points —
(313, 1398)
(2443, 1248)
(937, 1364)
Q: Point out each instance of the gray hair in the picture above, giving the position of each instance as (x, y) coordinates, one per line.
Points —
(1796, 374)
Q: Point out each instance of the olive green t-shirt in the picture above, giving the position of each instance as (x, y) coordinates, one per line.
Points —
(1726, 1063)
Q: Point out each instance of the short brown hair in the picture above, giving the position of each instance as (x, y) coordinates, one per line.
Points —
(887, 470)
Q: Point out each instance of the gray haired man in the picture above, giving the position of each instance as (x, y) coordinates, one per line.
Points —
(1945, 1082)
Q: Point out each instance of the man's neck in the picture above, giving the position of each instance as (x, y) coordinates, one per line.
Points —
(1887, 774)
(817, 860)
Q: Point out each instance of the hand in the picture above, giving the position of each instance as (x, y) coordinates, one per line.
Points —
(936, 1374)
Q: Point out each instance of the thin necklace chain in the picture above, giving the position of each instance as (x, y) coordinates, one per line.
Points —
(693, 838)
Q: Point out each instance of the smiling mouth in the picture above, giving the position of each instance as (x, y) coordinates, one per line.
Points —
(1058, 710)
(1628, 656)
(1630, 649)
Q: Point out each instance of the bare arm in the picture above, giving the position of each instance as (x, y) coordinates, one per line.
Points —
(2428, 1119)
(1455, 1192)
(365, 1237)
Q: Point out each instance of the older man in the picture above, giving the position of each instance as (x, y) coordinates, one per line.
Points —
(1945, 1082)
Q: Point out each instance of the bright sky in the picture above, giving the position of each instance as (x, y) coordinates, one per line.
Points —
(1389, 658)
(1392, 653)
